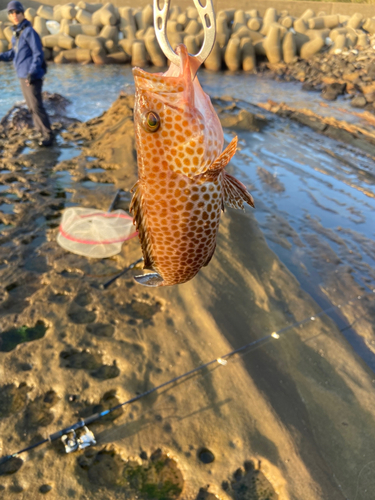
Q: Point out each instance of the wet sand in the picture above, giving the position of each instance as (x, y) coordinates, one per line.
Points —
(291, 418)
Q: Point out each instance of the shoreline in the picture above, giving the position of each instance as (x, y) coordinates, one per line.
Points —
(272, 419)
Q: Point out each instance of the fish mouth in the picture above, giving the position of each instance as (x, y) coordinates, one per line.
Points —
(174, 80)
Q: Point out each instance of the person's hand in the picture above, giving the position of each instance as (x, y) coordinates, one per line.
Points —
(29, 80)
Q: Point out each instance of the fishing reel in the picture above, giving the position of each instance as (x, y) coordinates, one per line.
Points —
(73, 443)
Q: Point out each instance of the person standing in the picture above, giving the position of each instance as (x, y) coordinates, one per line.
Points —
(28, 59)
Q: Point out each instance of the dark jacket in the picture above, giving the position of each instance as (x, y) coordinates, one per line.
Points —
(26, 52)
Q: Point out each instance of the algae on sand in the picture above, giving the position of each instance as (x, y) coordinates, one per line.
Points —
(10, 339)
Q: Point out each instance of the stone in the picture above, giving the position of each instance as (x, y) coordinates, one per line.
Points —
(359, 101)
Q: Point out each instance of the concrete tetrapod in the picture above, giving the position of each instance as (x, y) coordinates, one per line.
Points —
(369, 25)
(318, 23)
(45, 12)
(40, 26)
(289, 48)
(77, 55)
(157, 57)
(232, 56)
(363, 40)
(104, 17)
(355, 21)
(4, 45)
(66, 42)
(259, 48)
(64, 23)
(300, 25)
(84, 17)
(324, 33)
(127, 18)
(248, 55)
(139, 55)
(312, 47)
(81, 29)
(50, 41)
(57, 16)
(193, 27)
(240, 17)
(222, 29)
(255, 23)
(339, 45)
(68, 12)
(30, 14)
(287, 22)
(118, 58)
(90, 7)
(191, 44)
(4, 16)
(308, 14)
(88, 42)
(109, 33)
(147, 17)
(336, 32)
(270, 17)
(272, 44)
(8, 33)
(214, 60)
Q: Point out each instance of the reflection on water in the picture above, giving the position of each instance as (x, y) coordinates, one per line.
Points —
(92, 89)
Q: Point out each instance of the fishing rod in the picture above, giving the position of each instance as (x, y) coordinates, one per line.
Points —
(73, 443)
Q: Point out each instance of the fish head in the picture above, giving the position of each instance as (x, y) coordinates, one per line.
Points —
(176, 125)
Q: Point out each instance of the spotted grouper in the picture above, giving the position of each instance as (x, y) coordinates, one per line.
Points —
(182, 185)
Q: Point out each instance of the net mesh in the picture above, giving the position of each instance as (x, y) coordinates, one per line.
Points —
(94, 233)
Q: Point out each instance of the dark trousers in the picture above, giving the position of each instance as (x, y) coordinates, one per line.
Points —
(33, 96)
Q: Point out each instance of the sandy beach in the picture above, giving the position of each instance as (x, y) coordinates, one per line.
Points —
(276, 335)
(289, 418)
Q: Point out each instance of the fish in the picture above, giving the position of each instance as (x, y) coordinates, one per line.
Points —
(182, 186)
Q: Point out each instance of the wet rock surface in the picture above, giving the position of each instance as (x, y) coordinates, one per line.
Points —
(271, 422)
(333, 75)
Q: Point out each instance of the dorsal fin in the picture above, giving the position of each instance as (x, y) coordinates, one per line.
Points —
(136, 209)
(235, 193)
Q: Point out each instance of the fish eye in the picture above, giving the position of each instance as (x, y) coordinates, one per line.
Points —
(151, 121)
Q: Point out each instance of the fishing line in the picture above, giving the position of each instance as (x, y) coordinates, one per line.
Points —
(88, 438)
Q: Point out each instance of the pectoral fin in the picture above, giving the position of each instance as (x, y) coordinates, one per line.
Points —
(221, 162)
(235, 193)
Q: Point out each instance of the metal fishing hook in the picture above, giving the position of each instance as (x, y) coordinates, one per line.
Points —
(207, 17)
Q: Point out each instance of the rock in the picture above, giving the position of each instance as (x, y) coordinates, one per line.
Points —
(358, 101)
(45, 488)
(331, 91)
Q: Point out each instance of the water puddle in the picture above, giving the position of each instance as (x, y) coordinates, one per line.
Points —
(315, 207)
(68, 153)
(7, 208)
(63, 178)
(5, 227)
(97, 170)
(95, 185)
(10, 339)
(5, 171)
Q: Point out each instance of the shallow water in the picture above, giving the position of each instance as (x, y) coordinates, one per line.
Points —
(301, 404)
(92, 89)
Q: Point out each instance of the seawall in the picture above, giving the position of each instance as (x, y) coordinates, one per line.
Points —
(295, 8)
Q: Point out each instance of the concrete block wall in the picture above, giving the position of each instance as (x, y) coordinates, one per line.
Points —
(295, 8)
